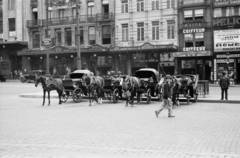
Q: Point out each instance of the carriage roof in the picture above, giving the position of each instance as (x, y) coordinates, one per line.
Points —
(78, 74)
(147, 73)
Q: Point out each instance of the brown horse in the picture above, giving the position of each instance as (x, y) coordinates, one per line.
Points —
(130, 86)
(50, 85)
(94, 86)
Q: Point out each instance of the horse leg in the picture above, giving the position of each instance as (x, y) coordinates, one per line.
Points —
(44, 92)
(59, 96)
(48, 98)
(127, 100)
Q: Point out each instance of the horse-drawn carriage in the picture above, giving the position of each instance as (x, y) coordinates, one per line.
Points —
(73, 86)
(112, 88)
(31, 76)
(149, 78)
(189, 87)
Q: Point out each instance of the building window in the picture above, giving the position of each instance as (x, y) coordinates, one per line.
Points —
(155, 5)
(12, 27)
(170, 29)
(36, 40)
(140, 5)
(11, 4)
(140, 31)
(170, 4)
(68, 37)
(91, 35)
(191, 15)
(124, 32)
(90, 9)
(61, 13)
(106, 35)
(155, 30)
(125, 6)
(1, 27)
(74, 12)
(194, 39)
(81, 36)
(217, 12)
(58, 37)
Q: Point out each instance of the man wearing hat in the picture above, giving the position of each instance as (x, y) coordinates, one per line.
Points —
(166, 91)
(224, 84)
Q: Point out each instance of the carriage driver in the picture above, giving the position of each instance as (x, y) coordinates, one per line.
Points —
(166, 97)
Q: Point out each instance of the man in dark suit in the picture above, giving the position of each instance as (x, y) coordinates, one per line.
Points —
(224, 84)
(166, 90)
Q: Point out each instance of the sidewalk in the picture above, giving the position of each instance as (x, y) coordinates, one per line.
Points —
(214, 95)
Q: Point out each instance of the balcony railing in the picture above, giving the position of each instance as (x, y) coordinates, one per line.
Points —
(33, 23)
(69, 20)
(105, 17)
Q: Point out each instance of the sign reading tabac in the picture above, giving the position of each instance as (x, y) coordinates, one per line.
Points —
(218, 3)
(227, 40)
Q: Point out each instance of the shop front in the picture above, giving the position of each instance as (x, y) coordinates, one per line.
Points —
(159, 57)
(199, 62)
(227, 54)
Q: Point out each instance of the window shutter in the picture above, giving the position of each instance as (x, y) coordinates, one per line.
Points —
(123, 33)
(153, 33)
(142, 33)
(126, 8)
(173, 3)
(138, 34)
(172, 31)
(168, 3)
(157, 34)
(153, 5)
(157, 5)
(122, 8)
(126, 34)
(138, 7)
(142, 6)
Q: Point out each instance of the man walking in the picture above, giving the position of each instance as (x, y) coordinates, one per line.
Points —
(166, 91)
(224, 84)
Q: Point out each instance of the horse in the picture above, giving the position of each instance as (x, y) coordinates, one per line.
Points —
(50, 85)
(130, 85)
(94, 86)
(175, 86)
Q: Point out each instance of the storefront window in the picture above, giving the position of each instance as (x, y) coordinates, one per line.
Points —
(227, 66)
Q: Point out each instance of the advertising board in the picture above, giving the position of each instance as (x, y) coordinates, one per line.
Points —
(227, 40)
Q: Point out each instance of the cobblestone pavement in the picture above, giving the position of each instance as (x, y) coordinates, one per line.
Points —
(29, 130)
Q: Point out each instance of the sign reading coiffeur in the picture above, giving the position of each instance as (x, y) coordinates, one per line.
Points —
(218, 3)
(227, 40)
(198, 30)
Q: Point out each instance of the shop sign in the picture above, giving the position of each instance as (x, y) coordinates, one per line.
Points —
(186, 49)
(195, 24)
(230, 56)
(164, 57)
(30, 52)
(228, 21)
(192, 54)
(199, 30)
(60, 49)
(218, 3)
(225, 60)
(47, 42)
(97, 48)
(227, 40)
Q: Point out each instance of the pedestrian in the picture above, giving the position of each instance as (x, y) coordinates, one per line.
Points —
(166, 103)
(224, 84)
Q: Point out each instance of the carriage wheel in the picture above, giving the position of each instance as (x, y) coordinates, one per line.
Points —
(77, 95)
(115, 96)
(148, 96)
(64, 97)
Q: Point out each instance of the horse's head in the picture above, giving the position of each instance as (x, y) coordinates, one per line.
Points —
(127, 84)
(86, 80)
(37, 80)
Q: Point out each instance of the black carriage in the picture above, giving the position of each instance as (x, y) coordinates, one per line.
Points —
(189, 87)
(31, 76)
(149, 78)
(73, 86)
(112, 88)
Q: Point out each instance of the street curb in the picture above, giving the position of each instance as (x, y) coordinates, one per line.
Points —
(153, 99)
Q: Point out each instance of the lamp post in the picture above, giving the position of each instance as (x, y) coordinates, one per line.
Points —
(47, 36)
(227, 55)
(78, 38)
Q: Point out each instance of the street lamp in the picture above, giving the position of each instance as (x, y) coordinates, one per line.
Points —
(78, 38)
(227, 55)
(47, 36)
